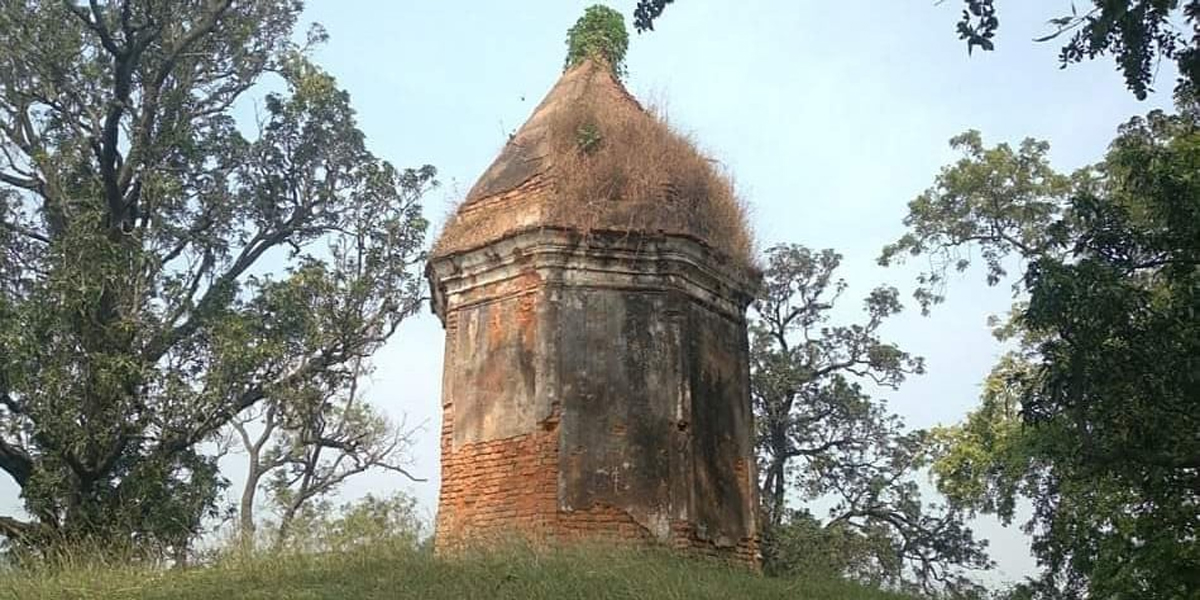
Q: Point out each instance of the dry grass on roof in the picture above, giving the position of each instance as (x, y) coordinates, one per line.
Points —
(592, 159)
(619, 167)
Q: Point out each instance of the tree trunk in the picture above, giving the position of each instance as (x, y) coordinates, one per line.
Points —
(776, 493)
(246, 526)
(180, 559)
(285, 525)
(254, 473)
(774, 487)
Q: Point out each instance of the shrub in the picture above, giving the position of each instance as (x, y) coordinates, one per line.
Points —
(599, 35)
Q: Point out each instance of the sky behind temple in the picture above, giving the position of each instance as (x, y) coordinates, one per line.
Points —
(830, 115)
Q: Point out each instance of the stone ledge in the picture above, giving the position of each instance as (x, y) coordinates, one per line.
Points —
(600, 259)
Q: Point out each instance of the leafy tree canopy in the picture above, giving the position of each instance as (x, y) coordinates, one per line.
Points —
(1094, 417)
(822, 437)
(599, 34)
(140, 225)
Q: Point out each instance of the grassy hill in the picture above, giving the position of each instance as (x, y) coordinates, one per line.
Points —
(389, 572)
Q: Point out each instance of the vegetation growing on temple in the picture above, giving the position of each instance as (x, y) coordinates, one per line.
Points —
(599, 35)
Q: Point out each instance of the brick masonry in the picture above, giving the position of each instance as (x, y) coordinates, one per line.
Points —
(595, 387)
(596, 380)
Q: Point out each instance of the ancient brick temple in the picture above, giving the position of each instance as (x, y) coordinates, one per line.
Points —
(596, 379)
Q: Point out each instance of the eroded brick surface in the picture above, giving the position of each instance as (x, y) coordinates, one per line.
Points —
(595, 388)
(596, 379)
(500, 488)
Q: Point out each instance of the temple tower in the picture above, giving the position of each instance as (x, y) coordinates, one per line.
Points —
(593, 287)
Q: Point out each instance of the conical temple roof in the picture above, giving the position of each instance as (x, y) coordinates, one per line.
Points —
(591, 158)
(529, 152)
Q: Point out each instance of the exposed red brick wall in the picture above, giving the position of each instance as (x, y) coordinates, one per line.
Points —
(744, 552)
(505, 489)
(488, 219)
(499, 488)
(600, 523)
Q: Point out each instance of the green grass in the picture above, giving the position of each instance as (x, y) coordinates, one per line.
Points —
(390, 572)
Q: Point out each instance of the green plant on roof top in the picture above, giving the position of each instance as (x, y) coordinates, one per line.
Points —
(599, 34)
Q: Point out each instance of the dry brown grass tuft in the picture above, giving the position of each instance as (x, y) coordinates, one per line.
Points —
(592, 159)
(620, 167)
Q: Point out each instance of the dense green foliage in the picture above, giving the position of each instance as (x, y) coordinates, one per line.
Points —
(395, 571)
(137, 220)
(821, 436)
(599, 34)
(1137, 33)
(1094, 417)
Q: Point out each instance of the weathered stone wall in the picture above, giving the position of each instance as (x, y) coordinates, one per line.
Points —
(499, 447)
(596, 386)
(619, 369)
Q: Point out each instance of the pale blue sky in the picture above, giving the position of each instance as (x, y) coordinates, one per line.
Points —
(830, 115)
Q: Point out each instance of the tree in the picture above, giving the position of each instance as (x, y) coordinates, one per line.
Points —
(301, 449)
(140, 222)
(997, 201)
(821, 436)
(1138, 33)
(369, 521)
(599, 34)
(1094, 418)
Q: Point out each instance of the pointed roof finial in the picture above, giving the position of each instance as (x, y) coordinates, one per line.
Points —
(599, 35)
